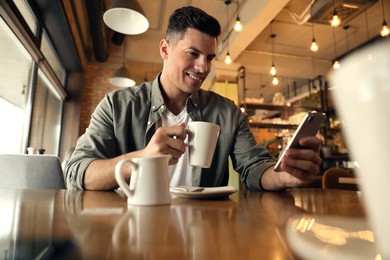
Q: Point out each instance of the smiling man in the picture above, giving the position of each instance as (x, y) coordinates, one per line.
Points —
(150, 119)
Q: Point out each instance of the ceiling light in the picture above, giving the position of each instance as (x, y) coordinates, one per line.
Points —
(314, 45)
(238, 25)
(275, 80)
(335, 21)
(385, 29)
(127, 17)
(228, 59)
(273, 68)
(336, 64)
(272, 71)
(121, 77)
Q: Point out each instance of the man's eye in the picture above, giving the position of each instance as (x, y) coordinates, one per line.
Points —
(195, 54)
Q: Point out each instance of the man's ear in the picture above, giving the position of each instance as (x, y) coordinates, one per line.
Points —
(164, 48)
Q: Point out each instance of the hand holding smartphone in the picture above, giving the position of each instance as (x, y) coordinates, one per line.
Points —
(309, 126)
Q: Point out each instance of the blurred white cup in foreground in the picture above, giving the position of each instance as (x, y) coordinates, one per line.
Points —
(362, 96)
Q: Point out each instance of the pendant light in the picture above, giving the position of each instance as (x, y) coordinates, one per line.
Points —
(336, 63)
(385, 29)
(273, 68)
(314, 45)
(121, 77)
(275, 80)
(335, 21)
(228, 59)
(126, 17)
(238, 25)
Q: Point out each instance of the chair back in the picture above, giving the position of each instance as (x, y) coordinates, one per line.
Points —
(339, 178)
(20, 171)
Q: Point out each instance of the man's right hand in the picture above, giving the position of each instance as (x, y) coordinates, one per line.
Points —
(167, 140)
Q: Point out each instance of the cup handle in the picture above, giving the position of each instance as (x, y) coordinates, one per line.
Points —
(120, 180)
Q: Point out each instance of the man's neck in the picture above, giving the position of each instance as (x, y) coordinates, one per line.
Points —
(175, 100)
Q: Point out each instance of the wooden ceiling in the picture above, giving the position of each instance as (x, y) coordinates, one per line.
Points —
(252, 47)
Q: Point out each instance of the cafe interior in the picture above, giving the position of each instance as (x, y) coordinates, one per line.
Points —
(59, 58)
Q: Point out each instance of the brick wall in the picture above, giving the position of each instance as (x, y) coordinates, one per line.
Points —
(96, 86)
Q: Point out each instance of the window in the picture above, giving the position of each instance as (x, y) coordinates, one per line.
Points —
(15, 74)
(31, 99)
(46, 117)
(52, 57)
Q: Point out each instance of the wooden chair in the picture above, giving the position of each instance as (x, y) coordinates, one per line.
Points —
(20, 171)
(339, 178)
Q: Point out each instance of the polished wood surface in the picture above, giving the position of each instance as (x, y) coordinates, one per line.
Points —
(67, 224)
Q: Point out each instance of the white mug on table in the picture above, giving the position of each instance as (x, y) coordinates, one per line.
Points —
(362, 95)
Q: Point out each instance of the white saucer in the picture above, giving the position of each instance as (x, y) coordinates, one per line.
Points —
(202, 193)
(319, 237)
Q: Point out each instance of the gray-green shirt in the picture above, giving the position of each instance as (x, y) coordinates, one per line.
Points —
(125, 119)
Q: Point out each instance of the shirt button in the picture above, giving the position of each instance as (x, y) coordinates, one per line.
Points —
(196, 104)
(162, 106)
(149, 122)
(153, 107)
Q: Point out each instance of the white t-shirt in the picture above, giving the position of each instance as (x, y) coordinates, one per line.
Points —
(181, 173)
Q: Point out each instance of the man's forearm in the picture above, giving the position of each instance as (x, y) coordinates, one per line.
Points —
(100, 174)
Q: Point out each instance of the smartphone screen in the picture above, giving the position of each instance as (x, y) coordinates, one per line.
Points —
(309, 126)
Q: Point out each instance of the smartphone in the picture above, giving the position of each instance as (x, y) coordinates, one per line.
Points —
(309, 126)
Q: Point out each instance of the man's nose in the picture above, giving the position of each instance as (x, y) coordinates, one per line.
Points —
(202, 65)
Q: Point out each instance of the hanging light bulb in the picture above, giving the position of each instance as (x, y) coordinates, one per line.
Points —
(385, 29)
(314, 45)
(275, 80)
(272, 71)
(273, 68)
(238, 25)
(335, 21)
(228, 60)
(336, 64)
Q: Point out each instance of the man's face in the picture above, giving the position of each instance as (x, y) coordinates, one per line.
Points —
(187, 62)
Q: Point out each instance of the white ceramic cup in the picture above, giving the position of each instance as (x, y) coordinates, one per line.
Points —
(149, 181)
(362, 97)
(32, 150)
(202, 139)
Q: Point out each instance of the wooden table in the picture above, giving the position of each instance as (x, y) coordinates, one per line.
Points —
(69, 224)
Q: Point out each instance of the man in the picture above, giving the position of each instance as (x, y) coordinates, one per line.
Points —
(151, 119)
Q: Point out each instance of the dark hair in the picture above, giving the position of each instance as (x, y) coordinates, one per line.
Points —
(191, 17)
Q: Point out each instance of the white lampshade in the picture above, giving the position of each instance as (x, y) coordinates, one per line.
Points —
(126, 17)
(121, 78)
